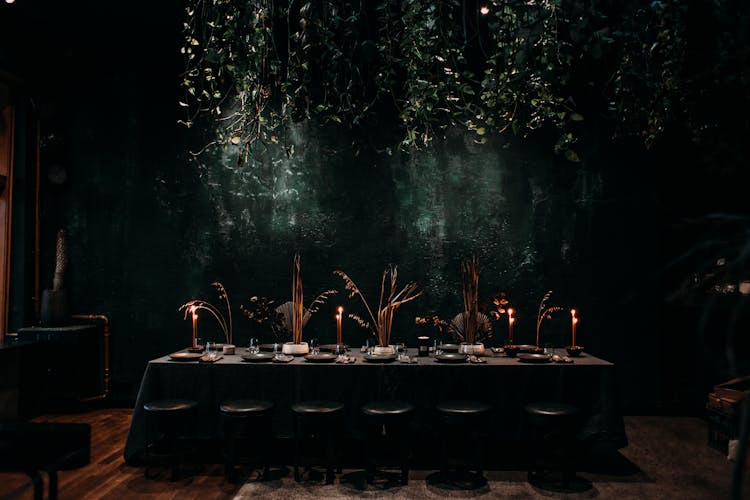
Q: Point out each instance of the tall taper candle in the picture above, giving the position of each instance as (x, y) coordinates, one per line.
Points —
(338, 325)
(574, 322)
(195, 325)
(511, 320)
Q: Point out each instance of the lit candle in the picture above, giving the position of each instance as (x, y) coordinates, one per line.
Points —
(511, 320)
(574, 322)
(194, 313)
(338, 325)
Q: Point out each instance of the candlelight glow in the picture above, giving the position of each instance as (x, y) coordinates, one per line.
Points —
(484, 9)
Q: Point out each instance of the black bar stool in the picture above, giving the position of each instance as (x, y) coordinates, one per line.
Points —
(167, 430)
(387, 428)
(317, 423)
(246, 425)
(551, 441)
(461, 424)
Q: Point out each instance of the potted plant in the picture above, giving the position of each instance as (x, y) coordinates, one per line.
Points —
(290, 317)
(391, 299)
(471, 327)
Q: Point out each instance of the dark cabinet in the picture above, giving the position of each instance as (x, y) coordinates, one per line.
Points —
(67, 364)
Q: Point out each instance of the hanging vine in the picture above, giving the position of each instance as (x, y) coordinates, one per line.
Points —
(255, 67)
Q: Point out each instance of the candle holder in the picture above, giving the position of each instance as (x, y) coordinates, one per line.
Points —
(574, 350)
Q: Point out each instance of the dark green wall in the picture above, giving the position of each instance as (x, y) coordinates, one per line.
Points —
(149, 228)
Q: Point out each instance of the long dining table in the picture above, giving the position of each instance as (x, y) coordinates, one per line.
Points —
(505, 383)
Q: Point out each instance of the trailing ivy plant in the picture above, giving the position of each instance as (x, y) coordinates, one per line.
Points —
(255, 67)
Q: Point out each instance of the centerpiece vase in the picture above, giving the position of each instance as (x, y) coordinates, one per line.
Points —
(290, 348)
(477, 348)
(382, 350)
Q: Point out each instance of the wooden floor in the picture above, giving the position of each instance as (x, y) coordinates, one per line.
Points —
(665, 458)
(107, 476)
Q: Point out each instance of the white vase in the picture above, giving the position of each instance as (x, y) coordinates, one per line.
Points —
(476, 348)
(384, 350)
(295, 349)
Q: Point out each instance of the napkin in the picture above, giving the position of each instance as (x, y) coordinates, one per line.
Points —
(345, 359)
(282, 359)
(561, 359)
(476, 359)
(210, 358)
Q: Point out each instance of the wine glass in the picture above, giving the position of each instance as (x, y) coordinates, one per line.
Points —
(314, 346)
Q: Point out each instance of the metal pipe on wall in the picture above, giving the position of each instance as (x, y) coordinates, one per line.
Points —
(105, 337)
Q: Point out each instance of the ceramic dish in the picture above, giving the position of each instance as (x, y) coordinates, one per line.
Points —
(526, 357)
(451, 357)
(379, 358)
(185, 356)
(323, 357)
(449, 347)
(257, 356)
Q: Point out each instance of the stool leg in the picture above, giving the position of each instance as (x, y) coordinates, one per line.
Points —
(297, 450)
(36, 480)
(330, 455)
(52, 478)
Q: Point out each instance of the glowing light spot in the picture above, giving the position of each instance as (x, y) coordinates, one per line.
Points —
(484, 9)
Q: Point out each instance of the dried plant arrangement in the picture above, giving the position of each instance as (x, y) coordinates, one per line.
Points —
(545, 312)
(380, 324)
(263, 311)
(290, 317)
(191, 308)
(469, 326)
(470, 289)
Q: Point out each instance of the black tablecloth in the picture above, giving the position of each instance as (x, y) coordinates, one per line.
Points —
(503, 382)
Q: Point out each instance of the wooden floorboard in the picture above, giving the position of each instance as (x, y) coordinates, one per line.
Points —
(107, 475)
(665, 458)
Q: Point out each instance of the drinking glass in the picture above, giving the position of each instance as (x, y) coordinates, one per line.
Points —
(314, 346)
(400, 348)
(341, 351)
(254, 346)
(211, 349)
(276, 350)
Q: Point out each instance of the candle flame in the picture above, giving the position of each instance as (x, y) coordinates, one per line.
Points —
(340, 310)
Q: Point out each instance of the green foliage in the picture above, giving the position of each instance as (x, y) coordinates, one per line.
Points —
(422, 66)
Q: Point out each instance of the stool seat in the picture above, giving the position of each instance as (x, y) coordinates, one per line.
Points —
(316, 420)
(248, 434)
(459, 408)
(170, 405)
(317, 407)
(245, 406)
(168, 432)
(387, 436)
(387, 408)
(549, 409)
(551, 444)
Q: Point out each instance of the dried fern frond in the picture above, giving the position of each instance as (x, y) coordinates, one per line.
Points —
(389, 301)
(320, 300)
(545, 312)
(193, 306)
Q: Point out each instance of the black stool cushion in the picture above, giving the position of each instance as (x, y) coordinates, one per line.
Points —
(170, 405)
(245, 407)
(317, 407)
(385, 408)
(462, 407)
(544, 409)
